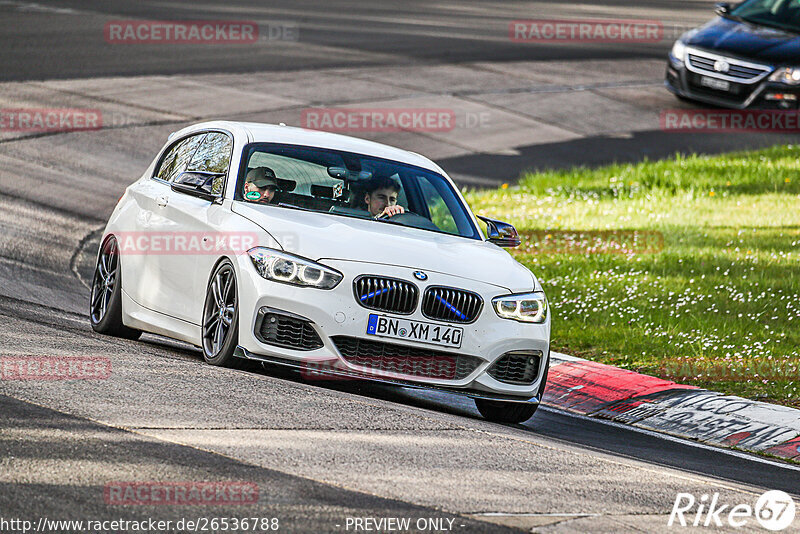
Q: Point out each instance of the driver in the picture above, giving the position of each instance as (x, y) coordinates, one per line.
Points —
(381, 197)
(260, 185)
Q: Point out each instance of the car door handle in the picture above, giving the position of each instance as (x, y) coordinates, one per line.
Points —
(162, 201)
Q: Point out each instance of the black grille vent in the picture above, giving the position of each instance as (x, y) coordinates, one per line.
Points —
(386, 294)
(288, 331)
(452, 305)
(402, 360)
(517, 368)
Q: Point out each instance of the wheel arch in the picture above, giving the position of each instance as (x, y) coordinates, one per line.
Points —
(107, 236)
(216, 265)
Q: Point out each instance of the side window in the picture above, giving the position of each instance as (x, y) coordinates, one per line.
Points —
(178, 157)
(402, 199)
(440, 213)
(213, 156)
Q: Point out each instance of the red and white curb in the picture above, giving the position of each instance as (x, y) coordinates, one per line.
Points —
(597, 390)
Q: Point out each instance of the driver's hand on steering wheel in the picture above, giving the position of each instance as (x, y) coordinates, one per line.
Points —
(390, 211)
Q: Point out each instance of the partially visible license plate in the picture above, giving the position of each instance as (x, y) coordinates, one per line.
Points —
(713, 83)
(434, 334)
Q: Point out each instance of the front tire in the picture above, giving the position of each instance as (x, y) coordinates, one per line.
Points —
(512, 412)
(105, 306)
(221, 318)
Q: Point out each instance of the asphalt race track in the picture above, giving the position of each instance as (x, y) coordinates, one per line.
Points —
(319, 452)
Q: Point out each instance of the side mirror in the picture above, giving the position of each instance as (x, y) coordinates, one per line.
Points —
(501, 233)
(197, 184)
(722, 9)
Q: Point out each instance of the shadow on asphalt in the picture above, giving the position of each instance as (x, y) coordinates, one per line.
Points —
(571, 430)
(604, 150)
(583, 432)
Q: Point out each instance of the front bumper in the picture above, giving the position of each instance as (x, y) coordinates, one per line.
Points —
(761, 95)
(338, 374)
(335, 312)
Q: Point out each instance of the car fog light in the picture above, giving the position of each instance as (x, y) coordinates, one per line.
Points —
(780, 96)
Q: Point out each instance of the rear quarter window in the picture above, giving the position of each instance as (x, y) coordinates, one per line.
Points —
(178, 157)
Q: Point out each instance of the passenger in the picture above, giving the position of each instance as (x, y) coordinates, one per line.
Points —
(260, 181)
(381, 197)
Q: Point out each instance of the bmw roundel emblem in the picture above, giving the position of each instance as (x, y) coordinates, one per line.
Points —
(419, 275)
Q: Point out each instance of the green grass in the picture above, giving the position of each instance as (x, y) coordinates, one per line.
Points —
(715, 304)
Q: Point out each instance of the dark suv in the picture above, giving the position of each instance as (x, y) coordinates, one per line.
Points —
(748, 57)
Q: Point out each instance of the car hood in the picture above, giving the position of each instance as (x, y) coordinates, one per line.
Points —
(321, 236)
(759, 43)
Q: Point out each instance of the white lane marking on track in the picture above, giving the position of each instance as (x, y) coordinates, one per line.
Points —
(507, 514)
(567, 357)
(30, 6)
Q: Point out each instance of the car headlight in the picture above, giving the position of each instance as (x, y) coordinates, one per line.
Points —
(788, 75)
(679, 51)
(290, 269)
(526, 308)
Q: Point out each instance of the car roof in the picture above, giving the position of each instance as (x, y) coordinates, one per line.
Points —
(273, 133)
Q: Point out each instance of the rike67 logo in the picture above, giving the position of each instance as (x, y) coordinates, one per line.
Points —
(774, 510)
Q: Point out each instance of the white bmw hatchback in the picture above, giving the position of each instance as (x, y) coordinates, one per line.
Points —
(336, 255)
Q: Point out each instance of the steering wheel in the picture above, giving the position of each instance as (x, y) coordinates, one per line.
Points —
(413, 220)
(385, 216)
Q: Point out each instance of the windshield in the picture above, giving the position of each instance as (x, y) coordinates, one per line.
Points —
(783, 14)
(352, 185)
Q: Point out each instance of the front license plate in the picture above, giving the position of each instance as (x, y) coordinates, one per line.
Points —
(713, 83)
(434, 334)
